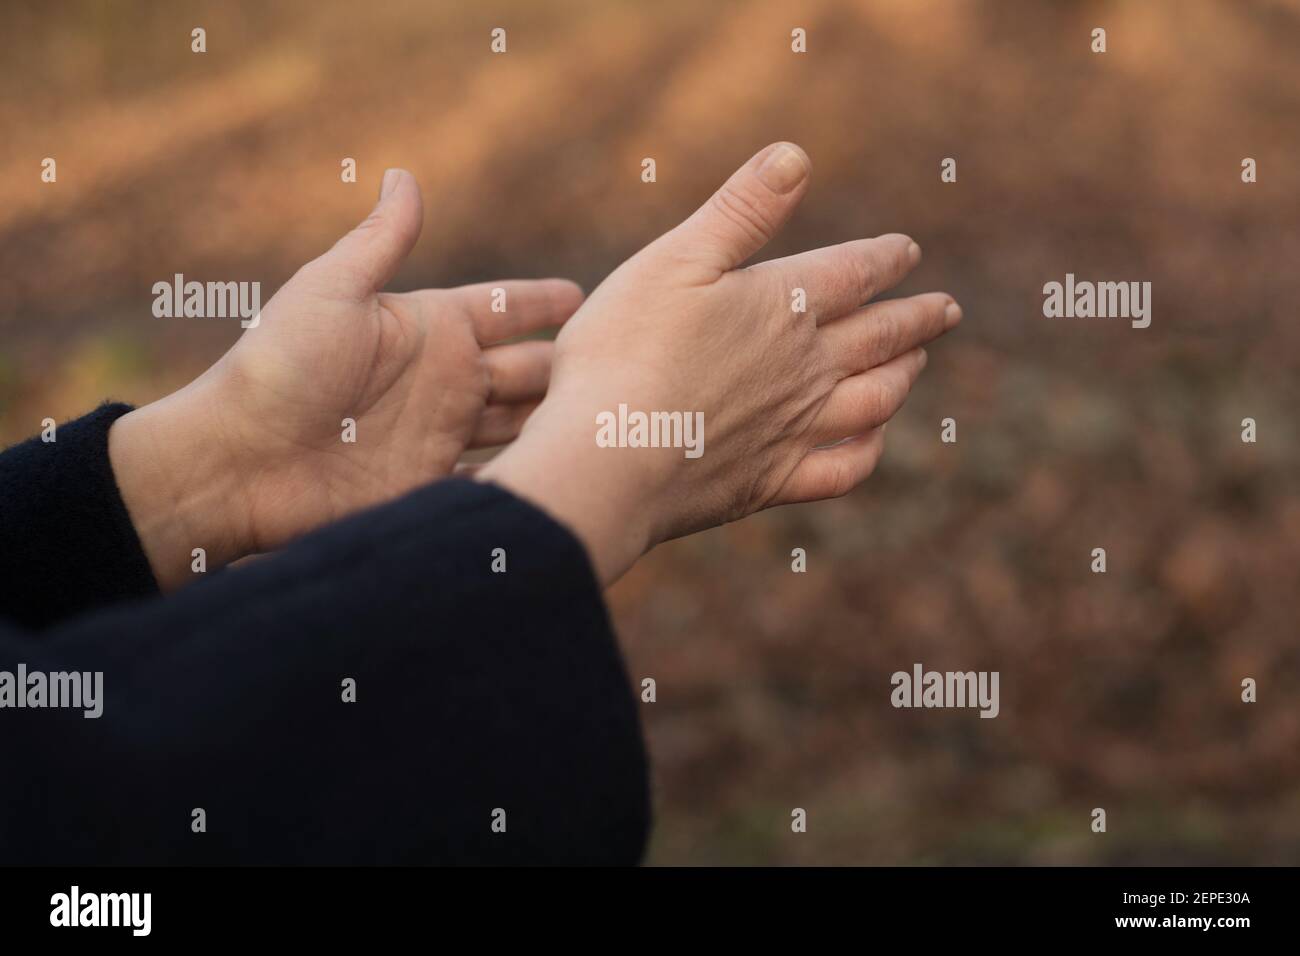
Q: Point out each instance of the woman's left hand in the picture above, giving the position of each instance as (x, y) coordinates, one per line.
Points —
(338, 398)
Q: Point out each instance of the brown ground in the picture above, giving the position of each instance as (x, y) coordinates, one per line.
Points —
(1119, 691)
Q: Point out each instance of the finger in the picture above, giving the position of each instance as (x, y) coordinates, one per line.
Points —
(863, 401)
(838, 279)
(749, 209)
(519, 372)
(512, 307)
(500, 424)
(375, 248)
(835, 471)
(882, 330)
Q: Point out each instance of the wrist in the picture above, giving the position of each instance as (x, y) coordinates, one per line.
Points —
(179, 488)
(608, 498)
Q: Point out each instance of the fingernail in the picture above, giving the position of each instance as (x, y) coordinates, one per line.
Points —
(390, 181)
(914, 253)
(783, 168)
(952, 314)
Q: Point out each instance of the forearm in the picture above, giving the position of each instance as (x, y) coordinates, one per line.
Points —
(228, 696)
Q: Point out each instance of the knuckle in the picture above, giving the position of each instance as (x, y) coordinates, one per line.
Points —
(935, 311)
(743, 211)
(824, 370)
(891, 262)
(854, 278)
(370, 223)
(866, 281)
(878, 405)
(842, 479)
(898, 395)
(876, 451)
(889, 336)
(901, 261)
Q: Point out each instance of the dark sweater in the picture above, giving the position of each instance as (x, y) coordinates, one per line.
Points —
(475, 691)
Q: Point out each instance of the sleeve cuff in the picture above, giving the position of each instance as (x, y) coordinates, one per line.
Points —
(68, 542)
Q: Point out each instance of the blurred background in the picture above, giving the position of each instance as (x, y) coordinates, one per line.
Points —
(1119, 690)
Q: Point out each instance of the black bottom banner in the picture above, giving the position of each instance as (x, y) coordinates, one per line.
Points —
(381, 905)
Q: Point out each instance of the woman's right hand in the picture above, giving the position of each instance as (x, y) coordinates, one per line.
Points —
(680, 327)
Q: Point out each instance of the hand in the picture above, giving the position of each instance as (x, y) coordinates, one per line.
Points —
(251, 454)
(794, 404)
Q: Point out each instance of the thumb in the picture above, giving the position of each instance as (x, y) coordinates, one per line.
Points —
(376, 247)
(749, 209)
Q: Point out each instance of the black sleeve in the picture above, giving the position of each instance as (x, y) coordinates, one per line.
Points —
(481, 698)
(67, 545)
